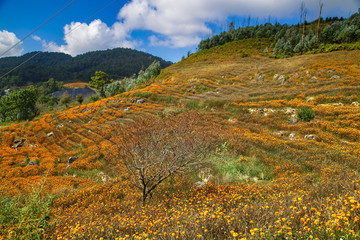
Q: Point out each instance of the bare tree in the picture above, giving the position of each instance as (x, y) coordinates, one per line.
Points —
(303, 13)
(302, 7)
(321, 5)
(153, 150)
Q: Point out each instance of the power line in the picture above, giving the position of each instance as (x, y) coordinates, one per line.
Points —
(37, 28)
(49, 45)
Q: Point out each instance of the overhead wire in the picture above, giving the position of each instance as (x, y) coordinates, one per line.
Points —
(52, 43)
(12, 47)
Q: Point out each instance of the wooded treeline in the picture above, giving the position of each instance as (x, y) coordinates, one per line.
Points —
(118, 63)
(299, 38)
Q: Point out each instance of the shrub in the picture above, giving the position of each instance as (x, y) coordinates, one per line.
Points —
(305, 114)
(94, 99)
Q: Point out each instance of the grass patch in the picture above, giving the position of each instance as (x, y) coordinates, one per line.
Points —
(218, 104)
(142, 94)
(237, 168)
(92, 174)
(164, 99)
(337, 47)
(25, 216)
(192, 105)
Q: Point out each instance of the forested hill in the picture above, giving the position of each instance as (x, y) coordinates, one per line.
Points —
(118, 63)
(321, 35)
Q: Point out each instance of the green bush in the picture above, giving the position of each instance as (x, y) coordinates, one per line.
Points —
(94, 99)
(305, 114)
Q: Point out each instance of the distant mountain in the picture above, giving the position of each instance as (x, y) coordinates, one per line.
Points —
(118, 63)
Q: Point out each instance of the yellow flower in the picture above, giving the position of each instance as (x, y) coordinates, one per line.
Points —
(234, 234)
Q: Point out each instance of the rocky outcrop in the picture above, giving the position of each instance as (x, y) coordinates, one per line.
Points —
(18, 143)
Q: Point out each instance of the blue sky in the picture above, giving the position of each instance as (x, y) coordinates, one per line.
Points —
(165, 28)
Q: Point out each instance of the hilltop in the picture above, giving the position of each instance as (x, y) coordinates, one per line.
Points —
(118, 63)
(276, 174)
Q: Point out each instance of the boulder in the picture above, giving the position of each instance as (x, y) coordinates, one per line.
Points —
(309, 137)
(132, 100)
(17, 146)
(355, 104)
(338, 104)
(282, 79)
(127, 109)
(260, 78)
(71, 160)
(18, 143)
(50, 134)
(280, 134)
(32, 163)
(335, 77)
(140, 101)
(292, 136)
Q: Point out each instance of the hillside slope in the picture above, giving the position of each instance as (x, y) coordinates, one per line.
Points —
(118, 63)
(275, 176)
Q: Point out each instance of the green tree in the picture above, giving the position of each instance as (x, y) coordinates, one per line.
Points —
(19, 105)
(99, 81)
(114, 88)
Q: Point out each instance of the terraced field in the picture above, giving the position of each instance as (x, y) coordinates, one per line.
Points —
(274, 175)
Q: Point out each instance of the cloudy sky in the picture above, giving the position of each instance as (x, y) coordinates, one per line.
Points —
(165, 28)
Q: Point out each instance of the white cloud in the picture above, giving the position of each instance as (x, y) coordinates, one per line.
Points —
(81, 38)
(36, 38)
(7, 40)
(182, 23)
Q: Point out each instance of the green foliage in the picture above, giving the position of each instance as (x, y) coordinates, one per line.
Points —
(238, 168)
(99, 81)
(193, 105)
(261, 31)
(290, 40)
(143, 76)
(46, 88)
(305, 114)
(114, 88)
(143, 94)
(19, 105)
(94, 99)
(26, 214)
(337, 47)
